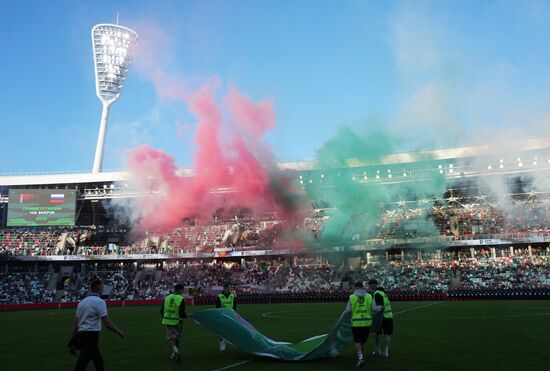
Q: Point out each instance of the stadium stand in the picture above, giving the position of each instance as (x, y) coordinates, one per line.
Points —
(300, 278)
(474, 240)
(455, 222)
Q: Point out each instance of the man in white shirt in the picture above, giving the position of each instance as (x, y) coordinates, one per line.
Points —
(90, 314)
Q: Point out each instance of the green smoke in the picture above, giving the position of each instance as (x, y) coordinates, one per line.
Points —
(358, 189)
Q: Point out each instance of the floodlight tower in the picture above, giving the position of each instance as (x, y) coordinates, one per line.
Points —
(114, 47)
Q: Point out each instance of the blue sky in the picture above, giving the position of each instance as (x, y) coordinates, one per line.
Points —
(436, 73)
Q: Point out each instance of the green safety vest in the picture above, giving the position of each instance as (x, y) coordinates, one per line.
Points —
(361, 310)
(227, 301)
(387, 305)
(171, 315)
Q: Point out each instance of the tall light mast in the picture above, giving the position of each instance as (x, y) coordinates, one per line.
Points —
(114, 48)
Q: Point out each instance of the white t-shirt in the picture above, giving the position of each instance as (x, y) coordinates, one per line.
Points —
(89, 313)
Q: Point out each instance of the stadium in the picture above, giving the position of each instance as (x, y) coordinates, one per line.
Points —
(459, 237)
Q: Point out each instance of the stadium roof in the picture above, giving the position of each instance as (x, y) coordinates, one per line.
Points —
(521, 146)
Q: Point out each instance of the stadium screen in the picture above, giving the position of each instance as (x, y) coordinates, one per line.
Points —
(41, 207)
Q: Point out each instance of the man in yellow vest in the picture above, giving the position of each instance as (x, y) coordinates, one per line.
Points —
(226, 300)
(359, 304)
(382, 301)
(173, 313)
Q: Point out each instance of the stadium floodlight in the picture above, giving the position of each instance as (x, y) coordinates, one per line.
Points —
(113, 47)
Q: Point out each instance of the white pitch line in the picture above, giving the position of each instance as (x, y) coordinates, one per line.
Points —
(420, 307)
(234, 365)
(251, 359)
(271, 314)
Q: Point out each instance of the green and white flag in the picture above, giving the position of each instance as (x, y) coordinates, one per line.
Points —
(235, 329)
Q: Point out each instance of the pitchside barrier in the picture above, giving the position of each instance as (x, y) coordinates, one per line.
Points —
(310, 298)
(537, 294)
(304, 298)
(110, 303)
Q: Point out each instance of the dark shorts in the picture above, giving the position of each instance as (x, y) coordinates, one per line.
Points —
(360, 334)
(174, 332)
(387, 327)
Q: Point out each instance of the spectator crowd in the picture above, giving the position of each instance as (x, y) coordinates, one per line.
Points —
(458, 222)
(316, 275)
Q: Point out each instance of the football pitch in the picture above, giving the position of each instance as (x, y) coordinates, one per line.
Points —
(483, 335)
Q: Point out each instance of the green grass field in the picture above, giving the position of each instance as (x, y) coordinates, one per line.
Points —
(487, 335)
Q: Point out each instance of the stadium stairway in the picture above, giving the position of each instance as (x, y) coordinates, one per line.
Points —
(185, 273)
(158, 276)
(455, 281)
(137, 277)
(52, 282)
(147, 275)
(75, 283)
(279, 277)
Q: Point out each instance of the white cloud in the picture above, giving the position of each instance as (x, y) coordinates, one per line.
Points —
(415, 40)
(122, 136)
(451, 95)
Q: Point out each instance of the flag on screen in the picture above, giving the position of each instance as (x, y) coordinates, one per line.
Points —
(23, 197)
(57, 198)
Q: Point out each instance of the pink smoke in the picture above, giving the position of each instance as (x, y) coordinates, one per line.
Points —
(239, 163)
(233, 164)
(253, 119)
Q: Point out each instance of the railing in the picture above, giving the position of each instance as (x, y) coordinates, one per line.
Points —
(543, 294)
(404, 241)
(446, 239)
(112, 303)
(59, 172)
(503, 236)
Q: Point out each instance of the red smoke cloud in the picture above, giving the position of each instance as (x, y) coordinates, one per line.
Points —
(233, 164)
(253, 119)
(238, 163)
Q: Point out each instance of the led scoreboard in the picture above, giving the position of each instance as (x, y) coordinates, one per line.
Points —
(41, 207)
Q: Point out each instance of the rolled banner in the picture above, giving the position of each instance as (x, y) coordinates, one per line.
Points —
(231, 326)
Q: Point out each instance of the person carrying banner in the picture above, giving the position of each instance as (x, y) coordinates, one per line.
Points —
(91, 313)
(359, 304)
(173, 312)
(381, 300)
(226, 299)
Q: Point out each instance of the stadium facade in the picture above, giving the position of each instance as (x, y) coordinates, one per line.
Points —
(467, 256)
(465, 168)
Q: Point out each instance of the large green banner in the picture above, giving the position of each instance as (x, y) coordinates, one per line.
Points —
(235, 329)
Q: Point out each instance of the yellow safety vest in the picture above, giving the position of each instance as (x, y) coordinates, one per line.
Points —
(387, 305)
(227, 301)
(361, 310)
(171, 315)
